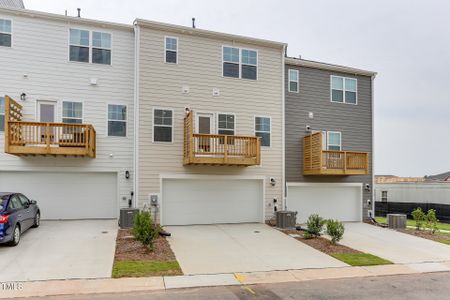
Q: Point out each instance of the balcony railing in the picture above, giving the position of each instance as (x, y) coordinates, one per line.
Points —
(37, 138)
(219, 149)
(326, 162)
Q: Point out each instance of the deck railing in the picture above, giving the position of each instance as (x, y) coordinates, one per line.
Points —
(219, 149)
(37, 138)
(327, 162)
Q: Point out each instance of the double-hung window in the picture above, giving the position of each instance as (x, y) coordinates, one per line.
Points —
(2, 114)
(90, 47)
(343, 90)
(72, 112)
(117, 120)
(162, 125)
(384, 196)
(171, 50)
(239, 63)
(101, 48)
(5, 33)
(293, 80)
(334, 141)
(226, 124)
(263, 130)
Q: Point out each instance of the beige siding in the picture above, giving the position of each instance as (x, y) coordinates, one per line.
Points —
(40, 50)
(200, 68)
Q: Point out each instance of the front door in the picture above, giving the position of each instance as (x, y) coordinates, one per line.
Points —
(204, 125)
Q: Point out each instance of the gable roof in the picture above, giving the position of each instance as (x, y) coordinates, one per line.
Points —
(439, 177)
(12, 3)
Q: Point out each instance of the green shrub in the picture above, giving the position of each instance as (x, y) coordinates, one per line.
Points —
(314, 225)
(144, 230)
(419, 217)
(307, 235)
(432, 220)
(335, 229)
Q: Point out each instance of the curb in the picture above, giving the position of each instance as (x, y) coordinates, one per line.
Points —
(124, 285)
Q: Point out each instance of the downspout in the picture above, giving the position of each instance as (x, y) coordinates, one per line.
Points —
(373, 145)
(283, 117)
(136, 115)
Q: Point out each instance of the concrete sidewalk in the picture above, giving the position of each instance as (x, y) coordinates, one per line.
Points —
(94, 286)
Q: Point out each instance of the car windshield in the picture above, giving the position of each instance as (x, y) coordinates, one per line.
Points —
(3, 200)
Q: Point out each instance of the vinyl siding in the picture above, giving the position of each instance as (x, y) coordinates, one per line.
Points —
(200, 68)
(354, 121)
(40, 50)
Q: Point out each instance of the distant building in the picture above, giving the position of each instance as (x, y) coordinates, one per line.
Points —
(12, 3)
(444, 177)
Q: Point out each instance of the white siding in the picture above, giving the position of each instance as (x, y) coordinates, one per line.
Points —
(200, 68)
(40, 50)
(438, 193)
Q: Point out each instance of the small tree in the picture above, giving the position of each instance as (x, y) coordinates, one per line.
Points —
(432, 220)
(144, 230)
(314, 225)
(419, 217)
(335, 229)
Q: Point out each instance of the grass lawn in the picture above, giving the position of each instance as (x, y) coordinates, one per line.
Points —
(144, 268)
(441, 226)
(360, 259)
(445, 242)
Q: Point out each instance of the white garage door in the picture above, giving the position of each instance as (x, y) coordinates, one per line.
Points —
(330, 201)
(66, 195)
(211, 201)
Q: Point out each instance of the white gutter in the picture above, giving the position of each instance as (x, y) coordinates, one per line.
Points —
(283, 130)
(373, 145)
(136, 115)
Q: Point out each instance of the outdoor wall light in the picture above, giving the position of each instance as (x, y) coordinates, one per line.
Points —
(23, 96)
(367, 187)
(127, 174)
(272, 181)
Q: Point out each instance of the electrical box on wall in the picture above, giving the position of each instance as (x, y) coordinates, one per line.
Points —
(154, 199)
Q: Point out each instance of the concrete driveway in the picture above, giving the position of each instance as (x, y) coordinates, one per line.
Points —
(212, 249)
(61, 250)
(393, 245)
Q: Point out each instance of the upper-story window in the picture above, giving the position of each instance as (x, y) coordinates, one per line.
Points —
(263, 130)
(5, 33)
(334, 141)
(2, 114)
(90, 48)
(117, 120)
(162, 125)
(226, 124)
(171, 50)
(72, 112)
(240, 63)
(293, 80)
(101, 48)
(343, 90)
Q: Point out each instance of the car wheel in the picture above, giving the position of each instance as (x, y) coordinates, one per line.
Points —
(37, 220)
(16, 236)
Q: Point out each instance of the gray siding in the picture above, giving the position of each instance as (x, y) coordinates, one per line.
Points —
(354, 121)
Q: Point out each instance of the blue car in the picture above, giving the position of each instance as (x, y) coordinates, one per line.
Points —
(17, 214)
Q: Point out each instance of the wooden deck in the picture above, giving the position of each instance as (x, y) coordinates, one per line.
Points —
(219, 149)
(24, 138)
(325, 162)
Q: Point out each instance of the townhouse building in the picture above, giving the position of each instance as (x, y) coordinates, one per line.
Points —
(66, 112)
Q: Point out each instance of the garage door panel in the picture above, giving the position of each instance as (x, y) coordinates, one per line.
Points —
(66, 195)
(330, 202)
(211, 201)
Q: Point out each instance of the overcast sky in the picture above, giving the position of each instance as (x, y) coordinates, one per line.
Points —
(407, 42)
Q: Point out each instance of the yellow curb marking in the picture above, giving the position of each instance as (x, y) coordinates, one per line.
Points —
(250, 290)
(239, 277)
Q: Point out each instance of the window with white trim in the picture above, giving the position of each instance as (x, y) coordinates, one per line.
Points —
(343, 90)
(384, 196)
(2, 114)
(239, 63)
(263, 130)
(90, 47)
(117, 120)
(5, 33)
(101, 48)
(72, 112)
(171, 50)
(293, 80)
(226, 124)
(162, 125)
(334, 141)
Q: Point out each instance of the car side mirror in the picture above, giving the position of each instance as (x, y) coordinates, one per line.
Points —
(33, 201)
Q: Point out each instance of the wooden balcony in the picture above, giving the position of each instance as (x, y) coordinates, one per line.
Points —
(325, 162)
(219, 149)
(24, 138)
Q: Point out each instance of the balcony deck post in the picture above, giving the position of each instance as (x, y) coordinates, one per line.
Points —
(225, 149)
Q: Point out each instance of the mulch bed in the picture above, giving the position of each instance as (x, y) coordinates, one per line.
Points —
(321, 244)
(127, 248)
(426, 234)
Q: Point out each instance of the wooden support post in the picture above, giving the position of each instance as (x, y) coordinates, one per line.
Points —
(225, 149)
